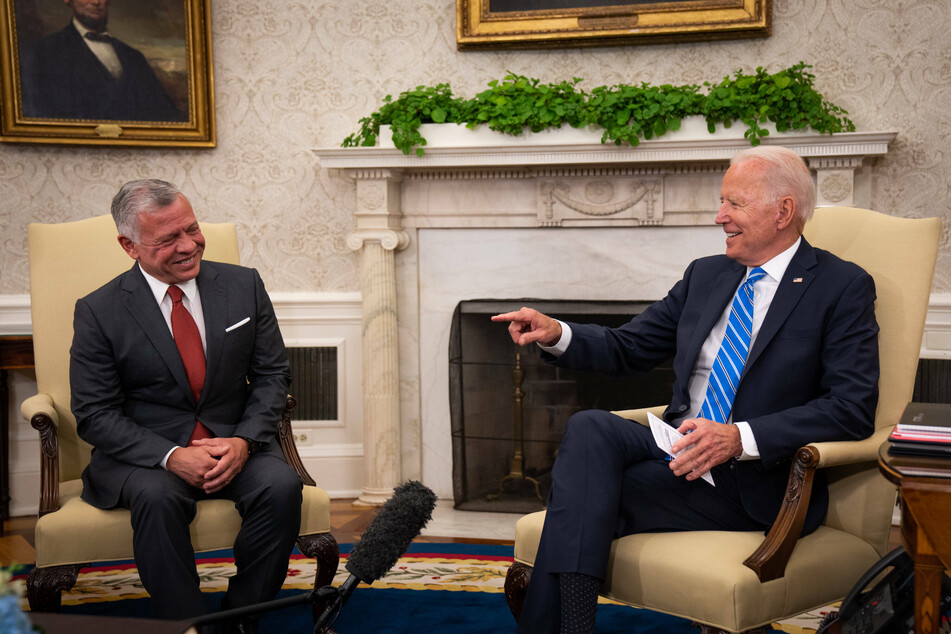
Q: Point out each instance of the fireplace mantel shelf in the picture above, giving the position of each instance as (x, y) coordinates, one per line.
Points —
(715, 148)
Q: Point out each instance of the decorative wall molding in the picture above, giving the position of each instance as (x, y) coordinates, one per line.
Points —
(622, 202)
(15, 316)
(936, 343)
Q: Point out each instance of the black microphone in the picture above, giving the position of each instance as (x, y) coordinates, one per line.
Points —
(386, 538)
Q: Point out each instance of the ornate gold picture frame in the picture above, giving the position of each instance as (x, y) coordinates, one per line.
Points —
(482, 24)
(136, 74)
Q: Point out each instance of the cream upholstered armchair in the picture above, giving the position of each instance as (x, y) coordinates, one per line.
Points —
(737, 581)
(67, 261)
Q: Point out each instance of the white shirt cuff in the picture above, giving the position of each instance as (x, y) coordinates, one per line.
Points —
(165, 459)
(750, 448)
(559, 348)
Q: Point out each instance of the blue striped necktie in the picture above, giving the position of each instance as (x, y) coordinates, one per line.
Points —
(731, 358)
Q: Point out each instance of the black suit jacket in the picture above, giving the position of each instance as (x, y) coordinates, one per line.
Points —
(811, 376)
(62, 78)
(130, 394)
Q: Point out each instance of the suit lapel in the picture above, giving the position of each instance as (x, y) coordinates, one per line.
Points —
(795, 281)
(723, 290)
(140, 302)
(85, 59)
(214, 306)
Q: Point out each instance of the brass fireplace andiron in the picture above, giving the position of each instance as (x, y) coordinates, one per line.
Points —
(517, 464)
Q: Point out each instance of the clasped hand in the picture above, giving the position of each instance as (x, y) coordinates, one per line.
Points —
(705, 444)
(209, 464)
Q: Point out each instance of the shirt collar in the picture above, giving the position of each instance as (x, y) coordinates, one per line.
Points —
(159, 288)
(777, 266)
(83, 31)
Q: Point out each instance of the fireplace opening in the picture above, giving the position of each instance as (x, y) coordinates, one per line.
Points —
(508, 407)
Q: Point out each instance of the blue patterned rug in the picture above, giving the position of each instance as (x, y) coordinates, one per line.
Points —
(434, 589)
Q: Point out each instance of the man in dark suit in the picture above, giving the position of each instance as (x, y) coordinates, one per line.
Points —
(165, 437)
(82, 72)
(811, 375)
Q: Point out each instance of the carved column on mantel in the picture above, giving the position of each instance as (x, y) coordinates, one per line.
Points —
(835, 180)
(378, 235)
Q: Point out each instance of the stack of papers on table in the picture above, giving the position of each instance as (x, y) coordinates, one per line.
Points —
(924, 430)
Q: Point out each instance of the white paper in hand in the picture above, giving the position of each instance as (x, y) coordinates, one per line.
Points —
(665, 436)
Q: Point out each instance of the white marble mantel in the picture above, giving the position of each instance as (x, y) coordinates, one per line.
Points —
(553, 216)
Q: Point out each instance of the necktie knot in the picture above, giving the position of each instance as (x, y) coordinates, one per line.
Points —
(755, 275)
(97, 37)
(175, 293)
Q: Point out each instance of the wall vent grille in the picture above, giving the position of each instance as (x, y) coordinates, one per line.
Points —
(314, 382)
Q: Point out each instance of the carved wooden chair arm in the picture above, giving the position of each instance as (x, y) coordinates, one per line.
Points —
(286, 437)
(770, 559)
(41, 413)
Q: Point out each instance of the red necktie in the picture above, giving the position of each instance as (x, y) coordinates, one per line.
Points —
(188, 340)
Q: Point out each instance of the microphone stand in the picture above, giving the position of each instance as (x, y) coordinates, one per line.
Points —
(332, 611)
(312, 597)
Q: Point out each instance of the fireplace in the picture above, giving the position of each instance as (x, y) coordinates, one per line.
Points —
(505, 401)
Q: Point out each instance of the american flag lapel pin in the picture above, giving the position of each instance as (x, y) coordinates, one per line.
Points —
(797, 280)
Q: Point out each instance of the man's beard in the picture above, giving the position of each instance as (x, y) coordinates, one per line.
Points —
(97, 25)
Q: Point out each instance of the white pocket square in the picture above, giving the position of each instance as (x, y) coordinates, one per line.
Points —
(238, 325)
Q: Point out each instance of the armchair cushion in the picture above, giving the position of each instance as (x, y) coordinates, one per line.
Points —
(647, 570)
(96, 535)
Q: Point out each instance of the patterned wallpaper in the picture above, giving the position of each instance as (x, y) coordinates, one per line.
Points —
(291, 76)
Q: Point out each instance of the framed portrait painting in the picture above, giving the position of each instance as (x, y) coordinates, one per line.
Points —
(483, 24)
(107, 72)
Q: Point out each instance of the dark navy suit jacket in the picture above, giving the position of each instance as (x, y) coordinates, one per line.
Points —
(811, 376)
(62, 78)
(130, 394)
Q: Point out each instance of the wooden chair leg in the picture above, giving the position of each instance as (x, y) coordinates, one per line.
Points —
(44, 586)
(516, 585)
(322, 547)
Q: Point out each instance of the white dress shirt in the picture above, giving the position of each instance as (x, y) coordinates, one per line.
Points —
(763, 293)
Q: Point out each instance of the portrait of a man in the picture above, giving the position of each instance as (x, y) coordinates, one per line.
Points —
(77, 62)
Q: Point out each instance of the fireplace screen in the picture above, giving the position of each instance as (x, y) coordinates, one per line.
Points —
(509, 408)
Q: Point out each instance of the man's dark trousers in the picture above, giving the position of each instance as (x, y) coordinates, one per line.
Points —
(267, 494)
(611, 480)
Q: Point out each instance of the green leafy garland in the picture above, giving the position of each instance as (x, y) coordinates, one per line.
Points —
(627, 113)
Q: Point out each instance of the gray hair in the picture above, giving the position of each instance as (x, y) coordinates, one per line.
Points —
(140, 196)
(789, 176)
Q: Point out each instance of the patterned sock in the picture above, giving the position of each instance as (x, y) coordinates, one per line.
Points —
(579, 602)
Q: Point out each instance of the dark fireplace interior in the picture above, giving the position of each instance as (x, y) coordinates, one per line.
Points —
(486, 369)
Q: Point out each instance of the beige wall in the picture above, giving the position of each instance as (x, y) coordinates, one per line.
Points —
(293, 76)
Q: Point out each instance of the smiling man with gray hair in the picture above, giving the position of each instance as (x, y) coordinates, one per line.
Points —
(179, 376)
(774, 345)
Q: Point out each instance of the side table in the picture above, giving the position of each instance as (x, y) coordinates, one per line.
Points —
(15, 353)
(925, 487)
